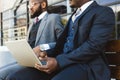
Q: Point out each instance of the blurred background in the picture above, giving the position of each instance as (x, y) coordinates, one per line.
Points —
(15, 20)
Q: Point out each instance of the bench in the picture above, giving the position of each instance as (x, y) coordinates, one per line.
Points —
(113, 56)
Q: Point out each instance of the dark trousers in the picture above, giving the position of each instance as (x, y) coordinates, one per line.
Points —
(73, 72)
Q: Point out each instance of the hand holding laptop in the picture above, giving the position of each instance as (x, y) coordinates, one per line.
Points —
(38, 52)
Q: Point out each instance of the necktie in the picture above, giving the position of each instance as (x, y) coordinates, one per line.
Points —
(36, 20)
(76, 15)
(77, 12)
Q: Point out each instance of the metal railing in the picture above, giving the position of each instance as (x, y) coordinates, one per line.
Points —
(5, 35)
(27, 19)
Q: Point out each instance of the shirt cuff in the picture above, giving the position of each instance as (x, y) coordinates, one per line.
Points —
(44, 47)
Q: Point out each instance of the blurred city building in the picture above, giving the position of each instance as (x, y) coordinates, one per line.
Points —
(15, 20)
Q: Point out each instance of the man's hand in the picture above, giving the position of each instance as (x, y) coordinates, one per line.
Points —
(39, 53)
(51, 65)
(37, 50)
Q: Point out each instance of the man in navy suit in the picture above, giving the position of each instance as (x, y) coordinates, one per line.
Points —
(79, 52)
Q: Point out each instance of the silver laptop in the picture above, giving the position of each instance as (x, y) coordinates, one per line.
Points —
(23, 53)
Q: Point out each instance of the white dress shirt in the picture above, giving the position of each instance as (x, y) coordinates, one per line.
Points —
(81, 10)
(41, 16)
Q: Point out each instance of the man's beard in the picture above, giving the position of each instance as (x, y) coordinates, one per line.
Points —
(72, 6)
(37, 12)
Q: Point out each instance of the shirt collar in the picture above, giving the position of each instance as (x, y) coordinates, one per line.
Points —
(83, 7)
(80, 10)
(42, 15)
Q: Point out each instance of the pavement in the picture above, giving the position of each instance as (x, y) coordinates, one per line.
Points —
(5, 57)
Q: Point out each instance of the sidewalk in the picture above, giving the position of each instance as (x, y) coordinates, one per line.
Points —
(5, 57)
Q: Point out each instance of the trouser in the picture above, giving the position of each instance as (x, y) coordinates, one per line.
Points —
(73, 72)
(4, 72)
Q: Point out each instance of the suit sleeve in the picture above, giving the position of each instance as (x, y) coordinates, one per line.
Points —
(100, 33)
(58, 29)
(58, 26)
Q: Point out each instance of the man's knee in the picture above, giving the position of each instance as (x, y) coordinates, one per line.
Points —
(11, 77)
(56, 79)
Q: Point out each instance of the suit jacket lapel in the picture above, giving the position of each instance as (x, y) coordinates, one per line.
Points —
(88, 9)
(41, 28)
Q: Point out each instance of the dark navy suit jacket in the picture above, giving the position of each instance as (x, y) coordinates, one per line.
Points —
(93, 30)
